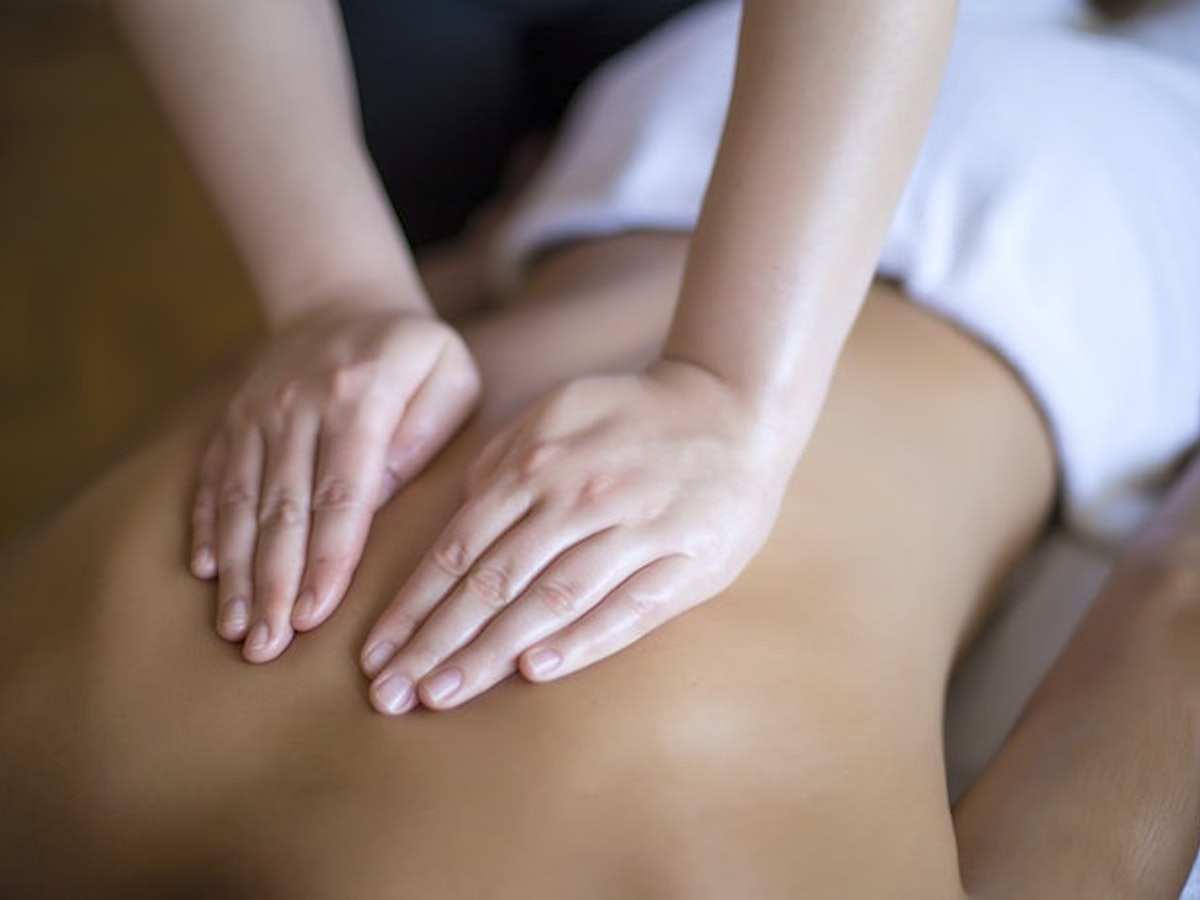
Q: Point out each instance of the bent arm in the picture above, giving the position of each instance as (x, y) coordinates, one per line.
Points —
(1099, 780)
(829, 106)
(263, 99)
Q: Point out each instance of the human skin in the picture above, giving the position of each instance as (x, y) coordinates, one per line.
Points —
(829, 105)
(1111, 736)
(783, 740)
(617, 503)
(363, 382)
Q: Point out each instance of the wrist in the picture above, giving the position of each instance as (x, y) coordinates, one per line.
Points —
(783, 380)
(343, 247)
(348, 292)
(773, 429)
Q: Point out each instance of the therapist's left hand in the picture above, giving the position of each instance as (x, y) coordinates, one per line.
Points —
(613, 505)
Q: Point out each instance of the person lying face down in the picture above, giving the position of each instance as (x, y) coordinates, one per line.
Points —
(781, 741)
(767, 744)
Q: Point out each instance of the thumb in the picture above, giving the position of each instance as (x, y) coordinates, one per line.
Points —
(435, 413)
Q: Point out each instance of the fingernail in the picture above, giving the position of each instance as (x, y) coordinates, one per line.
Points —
(203, 563)
(542, 662)
(393, 693)
(441, 687)
(377, 658)
(306, 606)
(235, 616)
(259, 638)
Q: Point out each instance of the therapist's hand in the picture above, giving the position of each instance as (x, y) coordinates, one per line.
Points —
(615, 504)
(344, 406)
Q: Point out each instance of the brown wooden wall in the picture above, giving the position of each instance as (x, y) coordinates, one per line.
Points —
(117, 287)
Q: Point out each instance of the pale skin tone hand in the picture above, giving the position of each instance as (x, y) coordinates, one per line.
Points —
(615, 504)
(360, 383)
(344, 407)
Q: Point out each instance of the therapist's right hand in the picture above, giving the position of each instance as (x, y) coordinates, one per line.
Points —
(342, 408)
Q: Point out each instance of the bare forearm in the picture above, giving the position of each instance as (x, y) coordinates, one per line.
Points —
(1097, 791)
(830, 102)
(262, 97)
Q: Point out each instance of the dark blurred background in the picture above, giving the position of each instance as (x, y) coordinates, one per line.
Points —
(117, 288)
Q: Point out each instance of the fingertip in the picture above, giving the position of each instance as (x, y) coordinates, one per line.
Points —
(263, 644)
(315, 605)
(204, 563)
(392, 694)
(306, 614)
(256, 642)
(441, 689)
(234, 619)
(540, 664)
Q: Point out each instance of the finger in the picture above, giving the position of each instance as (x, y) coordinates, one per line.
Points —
(500, 576)
(283, 523)
(237, 528)
(478, 525)
(650, 597)
(436, 411)
(563, 592)
(204, 509)
(350, 464)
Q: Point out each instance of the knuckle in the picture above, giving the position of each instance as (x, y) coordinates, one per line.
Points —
(337, 494)
(400, 622)
(347, 383)
(559, 597)
(282, 511)
(449, 556)
(537, 456)
(408, 444)
(596, 488)
(235, 495)
(492, 585)
(643, 606)
(326, 564)
(709, 545)
(287, 395)
(414, 435)
(204, 507)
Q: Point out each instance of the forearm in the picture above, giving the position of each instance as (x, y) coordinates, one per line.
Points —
(829, 106)
(1097, 791)
(263, 99)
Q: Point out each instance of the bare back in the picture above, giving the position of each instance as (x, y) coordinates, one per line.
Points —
(764, 745)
